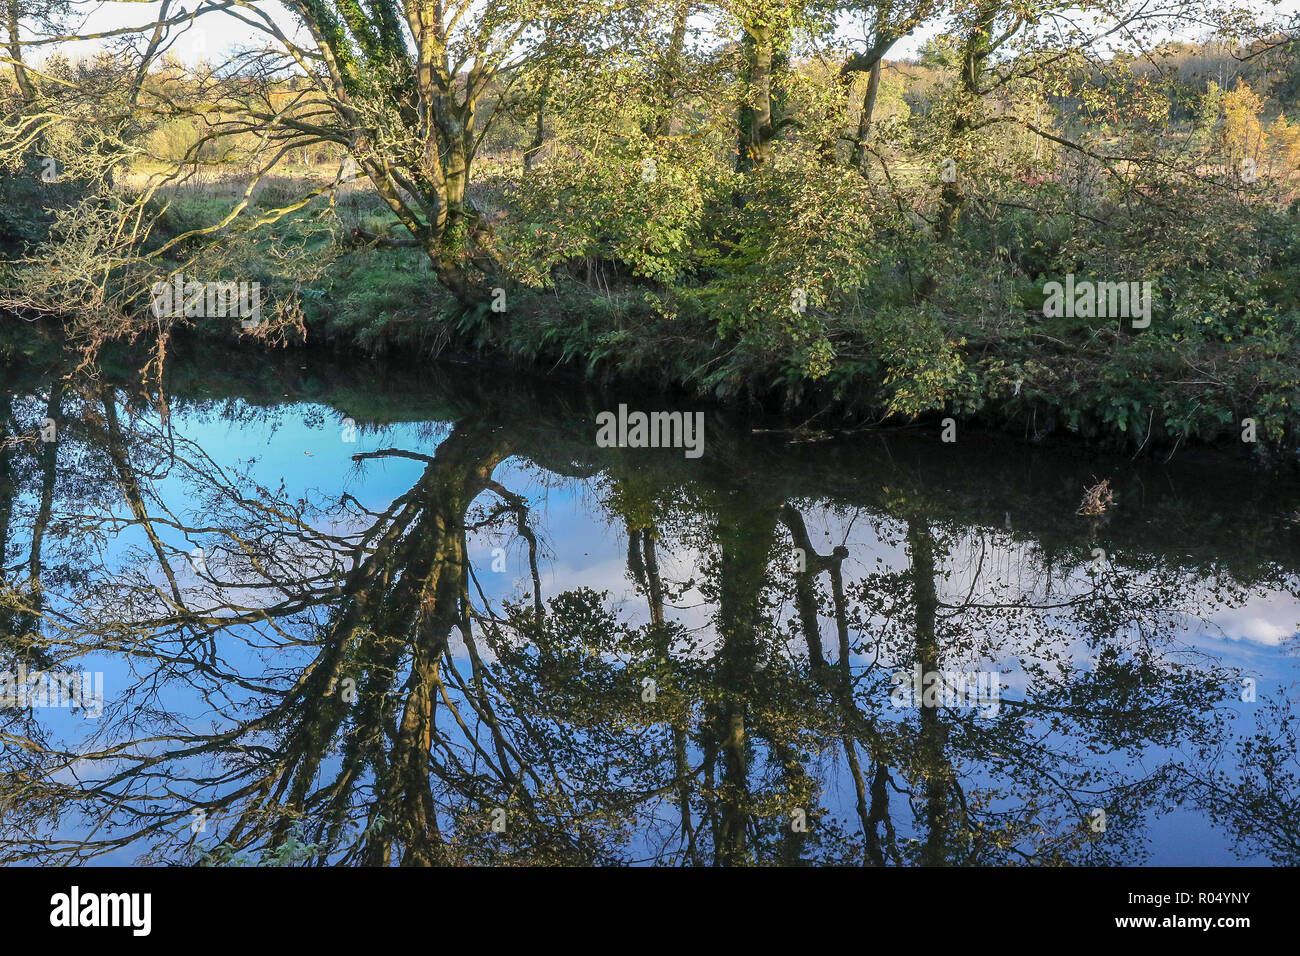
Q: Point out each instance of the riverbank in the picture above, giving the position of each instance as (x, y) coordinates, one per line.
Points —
(197, 354)
(1214, 363)
(1152, 392)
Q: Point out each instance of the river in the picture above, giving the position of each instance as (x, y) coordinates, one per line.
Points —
(309, 610)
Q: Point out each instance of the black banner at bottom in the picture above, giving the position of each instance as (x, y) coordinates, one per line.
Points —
(143, 907)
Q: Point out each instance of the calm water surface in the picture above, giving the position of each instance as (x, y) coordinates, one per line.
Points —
(351, 614)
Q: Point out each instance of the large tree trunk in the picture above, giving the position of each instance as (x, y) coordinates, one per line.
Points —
(12, 18)
(860, 150)
(754, 149)
(975, 52)
(671, 69)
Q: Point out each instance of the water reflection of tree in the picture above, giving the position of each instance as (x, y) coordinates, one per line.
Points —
(1253, 792)
(792, 706)
(336, 677)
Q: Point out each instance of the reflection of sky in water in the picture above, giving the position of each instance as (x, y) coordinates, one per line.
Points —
(303, 448)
